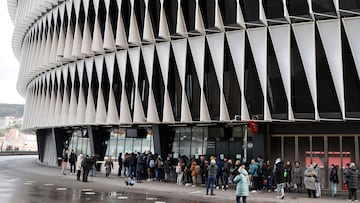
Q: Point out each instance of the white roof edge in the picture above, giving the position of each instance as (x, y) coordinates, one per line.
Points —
(12, 6)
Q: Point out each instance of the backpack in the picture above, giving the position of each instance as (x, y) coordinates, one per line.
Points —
(151, 163)
(259, 170)
(83, 163)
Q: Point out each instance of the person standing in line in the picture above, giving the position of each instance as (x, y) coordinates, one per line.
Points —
(260, 170)
(279, 177)
(72, 161)
(287, 175)
(226, 172)
(120, 161)
(132, 165)
(65, 160)
(254, 174)
(108, 166)
(309, 181)
(193, 172)
(212, 170)
(334, 179)
(179, 171)
(86, 168)
(298, 176)
(203, 168)
(268, 173)
(318, 180)
(353, 178)
(236, 168)
(219, 173)
(167, 169)
(139, 167)
(346, 179)
(242, 185)
(78, 166)
(126, 164)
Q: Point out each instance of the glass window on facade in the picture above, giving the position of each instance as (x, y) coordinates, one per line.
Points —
(304, 149)
(198, 141)
(80, 143)
(190, 142)
(289, 148)
(275, 148)
(120, 143)
(348, 148)
(226, 142)
(184, 137)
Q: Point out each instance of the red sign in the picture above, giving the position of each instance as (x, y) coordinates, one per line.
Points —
(253, 127)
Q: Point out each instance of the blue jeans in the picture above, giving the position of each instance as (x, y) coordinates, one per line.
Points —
(210, 183)
(131, 171)
(333, 189)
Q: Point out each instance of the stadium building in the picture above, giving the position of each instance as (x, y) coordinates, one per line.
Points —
(233, 78)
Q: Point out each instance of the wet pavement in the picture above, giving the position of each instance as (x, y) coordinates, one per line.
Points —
(24, 180)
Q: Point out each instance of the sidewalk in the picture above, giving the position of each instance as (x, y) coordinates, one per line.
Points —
(199, 193)
(155, 188)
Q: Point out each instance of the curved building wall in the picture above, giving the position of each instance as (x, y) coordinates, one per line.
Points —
(106, 62)
(191, 68)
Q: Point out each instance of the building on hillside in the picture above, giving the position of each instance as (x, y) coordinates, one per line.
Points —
(14, 140)
(9, 121)
(188, 77)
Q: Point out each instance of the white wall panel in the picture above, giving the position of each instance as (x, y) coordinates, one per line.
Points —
(125, 115)
(352, 29)
(258, 44)
(134, 55)
(148, 53)
(90, 105)
(65, 103)
(280, 36)
(73, 98)
(101, 114)
(236, 41)
(333, 52)
(305, 39)
(163, 25)
(121, 39)
(216, 46)
(148, 33)
(180, 53)
(180, 21)
(81, 108)
(109, 42)
(134, 35)
(112, 113)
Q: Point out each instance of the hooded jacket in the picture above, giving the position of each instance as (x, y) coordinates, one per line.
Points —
(279, 173)
(242, 183)
(353, 177)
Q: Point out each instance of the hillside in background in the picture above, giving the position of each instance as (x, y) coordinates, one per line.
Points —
(16, 110)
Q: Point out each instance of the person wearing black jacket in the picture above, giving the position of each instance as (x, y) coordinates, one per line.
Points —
(353, 177)
(279, 177)
(120, 161)
(334, 179)
(72, 161)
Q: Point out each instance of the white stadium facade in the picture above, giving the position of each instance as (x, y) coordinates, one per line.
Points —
(236, 78)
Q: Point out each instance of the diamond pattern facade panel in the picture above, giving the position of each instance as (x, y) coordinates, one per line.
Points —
(114, 62)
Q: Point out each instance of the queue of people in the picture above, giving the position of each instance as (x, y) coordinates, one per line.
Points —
(218, 173)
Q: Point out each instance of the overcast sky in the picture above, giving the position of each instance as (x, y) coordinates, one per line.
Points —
(9, 66)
